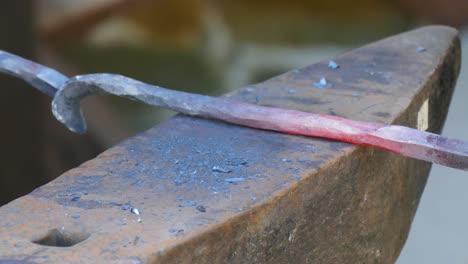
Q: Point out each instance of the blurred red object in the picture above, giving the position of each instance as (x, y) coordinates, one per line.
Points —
(449, 12)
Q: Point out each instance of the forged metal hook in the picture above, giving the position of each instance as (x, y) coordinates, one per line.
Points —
(399, 139)
(68, 93)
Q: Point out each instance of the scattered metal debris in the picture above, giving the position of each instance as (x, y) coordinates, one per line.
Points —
(139, 220)
(387, 75)
(333, 65)
(136, 239)
(121, 222)
(201, 208)
(421, 49)
(377, 74)
(221, 169)
(135, 211)
(115, 203)
(235, 180)
(249, 89)
(369, 72)
(188, 204)
(175, 231)
(323, 83)
(294, 169)
(76, 216)
(179, 181)
(138, 183)
(257, 99)
(236, 161)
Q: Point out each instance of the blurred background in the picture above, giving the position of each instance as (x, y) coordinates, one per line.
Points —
(209, 47)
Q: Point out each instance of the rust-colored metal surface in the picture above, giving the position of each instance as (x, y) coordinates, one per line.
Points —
(210, 192)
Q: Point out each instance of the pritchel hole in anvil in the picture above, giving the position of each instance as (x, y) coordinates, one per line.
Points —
(57, 238)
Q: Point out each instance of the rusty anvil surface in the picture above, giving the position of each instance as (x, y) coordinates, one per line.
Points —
(303, 200)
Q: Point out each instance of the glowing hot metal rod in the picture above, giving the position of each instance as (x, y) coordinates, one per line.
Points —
(68, 93)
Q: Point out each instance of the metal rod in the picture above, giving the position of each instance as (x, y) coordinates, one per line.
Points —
(68, 93)
(43, 78)
(402, 140)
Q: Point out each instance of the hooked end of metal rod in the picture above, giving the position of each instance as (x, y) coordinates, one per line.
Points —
(67, 111)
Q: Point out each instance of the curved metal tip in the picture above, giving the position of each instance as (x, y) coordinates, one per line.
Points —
(66, 102)
(67, 111)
